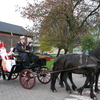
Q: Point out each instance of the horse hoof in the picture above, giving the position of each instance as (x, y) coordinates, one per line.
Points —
(69, 91)
(97, 91)
(93, 97)
(55, 91)
(79, 91)
(62, 85)
(74, 88)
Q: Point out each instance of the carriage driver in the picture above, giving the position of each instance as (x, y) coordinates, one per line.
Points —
(23, 53)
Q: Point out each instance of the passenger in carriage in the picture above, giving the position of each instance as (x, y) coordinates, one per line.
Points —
(6, 62)
(30, 46)
(31, 53)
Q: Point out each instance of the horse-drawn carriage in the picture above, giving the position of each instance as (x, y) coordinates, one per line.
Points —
(88, 65)
(27, 74)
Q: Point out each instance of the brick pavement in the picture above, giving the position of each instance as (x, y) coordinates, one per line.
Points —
(12, 90)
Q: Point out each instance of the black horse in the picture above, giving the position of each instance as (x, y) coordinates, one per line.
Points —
(86, 84)
(80, 64)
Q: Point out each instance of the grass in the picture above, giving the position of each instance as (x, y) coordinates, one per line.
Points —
(49, 63)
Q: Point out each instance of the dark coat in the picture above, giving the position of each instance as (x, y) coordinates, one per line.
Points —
(21, 50)
(21, 47)
(30, 48)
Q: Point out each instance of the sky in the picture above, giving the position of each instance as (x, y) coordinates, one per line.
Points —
(9, 15)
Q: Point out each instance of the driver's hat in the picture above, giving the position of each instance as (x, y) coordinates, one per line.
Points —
(22, 37)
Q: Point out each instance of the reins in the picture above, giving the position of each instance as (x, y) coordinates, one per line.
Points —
(79, 67)
(83, 66)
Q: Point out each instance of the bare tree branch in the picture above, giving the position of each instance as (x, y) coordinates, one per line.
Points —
(91, 13)
(77, 3)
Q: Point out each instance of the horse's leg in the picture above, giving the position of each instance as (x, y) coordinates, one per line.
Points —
(88, 83)
(61, 81)
(70, 78)
(96, 82)
(73, 85)
(54, 76)
(81, 88)
(92, 95)
(64, 79)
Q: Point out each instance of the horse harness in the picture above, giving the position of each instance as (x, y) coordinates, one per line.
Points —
(87, 65)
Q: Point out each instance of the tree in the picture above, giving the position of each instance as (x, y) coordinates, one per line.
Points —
(89, 42)
(78, 15)
(55, 32)
(97, 43)
(45, 45)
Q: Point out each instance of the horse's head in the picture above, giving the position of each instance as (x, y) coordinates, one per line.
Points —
(95, 53)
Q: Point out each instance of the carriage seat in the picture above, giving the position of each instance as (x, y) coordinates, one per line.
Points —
(18, 58)
(41, 61)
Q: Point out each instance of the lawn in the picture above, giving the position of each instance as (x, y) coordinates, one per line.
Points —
(49, 63)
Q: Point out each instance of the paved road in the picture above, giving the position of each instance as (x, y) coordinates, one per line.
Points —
(12, 90)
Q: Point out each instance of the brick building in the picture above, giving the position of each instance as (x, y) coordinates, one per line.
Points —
(10, 34)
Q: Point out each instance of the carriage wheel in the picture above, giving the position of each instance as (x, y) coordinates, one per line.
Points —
(13, 76)
(44, 76)
(27, 79)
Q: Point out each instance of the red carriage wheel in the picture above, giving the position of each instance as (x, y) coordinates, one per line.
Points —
(27, 79)
(44, 76)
